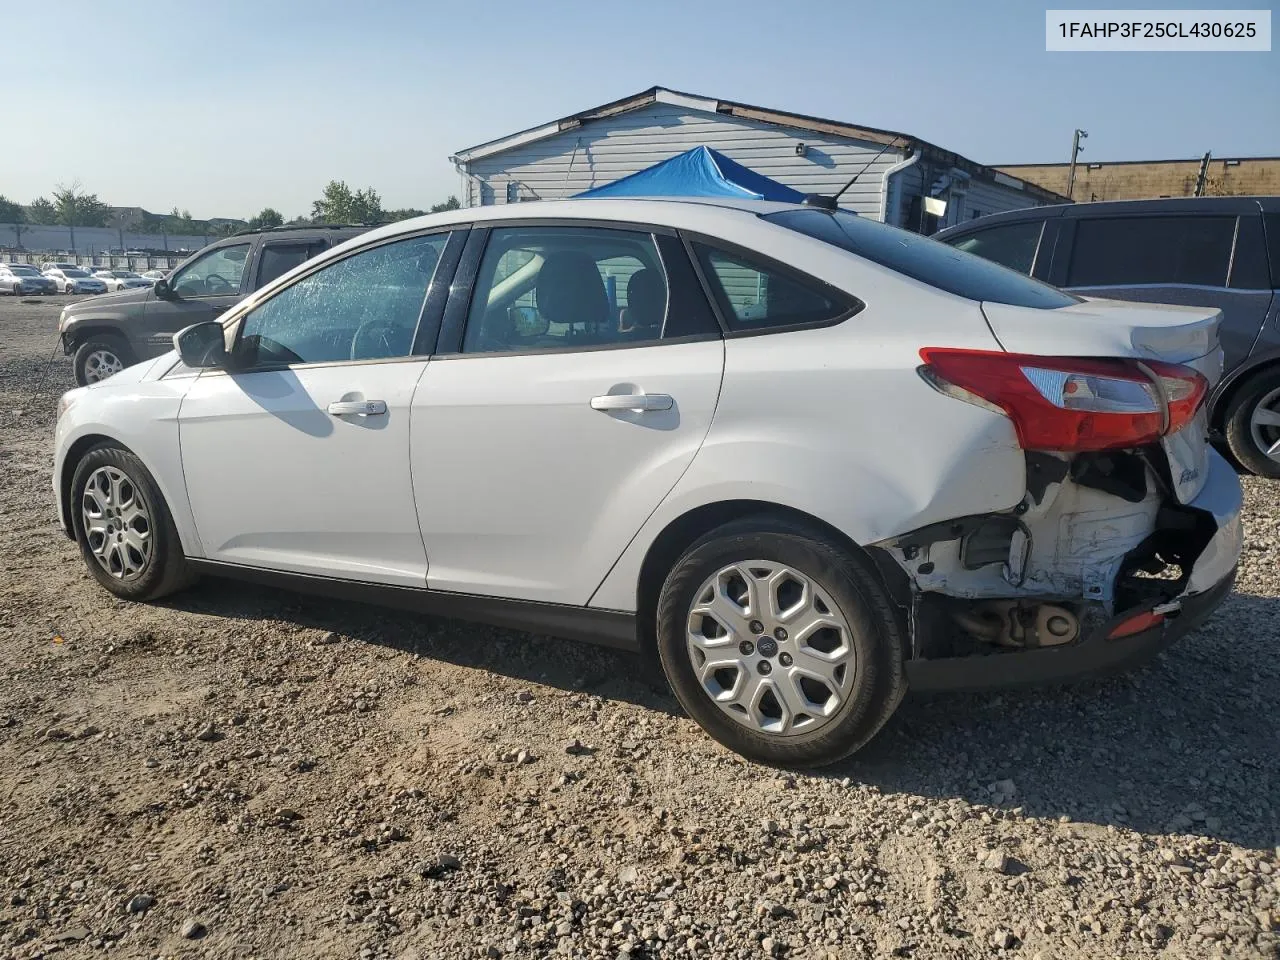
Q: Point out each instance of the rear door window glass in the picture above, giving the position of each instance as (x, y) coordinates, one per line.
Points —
(1124, 251)
(755, 296)
(1011, 245)
(277, 259)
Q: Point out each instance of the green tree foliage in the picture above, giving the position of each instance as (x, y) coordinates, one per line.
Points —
(11, 212)
(340, 204)
(75, 208)
(267, 218)
(451, 204)
(42, 211)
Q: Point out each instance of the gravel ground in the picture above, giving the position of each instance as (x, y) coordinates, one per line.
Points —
(241, 772)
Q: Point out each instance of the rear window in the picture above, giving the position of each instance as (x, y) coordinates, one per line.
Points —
(920, 258)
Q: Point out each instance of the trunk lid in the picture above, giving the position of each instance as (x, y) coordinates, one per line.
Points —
(1115, 328)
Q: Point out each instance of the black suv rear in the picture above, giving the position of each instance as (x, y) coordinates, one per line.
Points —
(110, 332)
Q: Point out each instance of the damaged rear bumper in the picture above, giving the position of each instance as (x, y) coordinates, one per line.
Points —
(1218, 536)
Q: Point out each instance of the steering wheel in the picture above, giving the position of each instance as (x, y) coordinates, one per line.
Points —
(377, 333)
(216, 284)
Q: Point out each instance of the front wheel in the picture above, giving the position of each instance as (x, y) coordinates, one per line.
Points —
(124, 528)
(780, 643)
(101, 357)
(1252, 424)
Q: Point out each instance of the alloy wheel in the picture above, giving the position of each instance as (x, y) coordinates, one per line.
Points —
(1264, 424)
(100, 364)
(770, 647)
(117, 523)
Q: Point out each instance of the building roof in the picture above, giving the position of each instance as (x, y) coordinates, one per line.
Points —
(888, 138)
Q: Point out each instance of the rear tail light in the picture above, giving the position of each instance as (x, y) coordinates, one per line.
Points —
(1071, 403)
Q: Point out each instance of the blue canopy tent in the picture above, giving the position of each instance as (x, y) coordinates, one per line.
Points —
(700, 172)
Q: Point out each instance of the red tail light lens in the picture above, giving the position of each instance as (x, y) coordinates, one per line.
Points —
(1071, 403)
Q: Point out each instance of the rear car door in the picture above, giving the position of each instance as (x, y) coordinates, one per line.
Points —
(200, 290)
(1196, 259)
(577, 373)
(296, 457)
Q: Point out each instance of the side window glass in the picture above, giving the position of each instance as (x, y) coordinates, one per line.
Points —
(1271, 225)
(363, 307)
(551, 288)
(1132, 250)
(756, 297)
(277, 259)
(216, 274)
(1011, 245)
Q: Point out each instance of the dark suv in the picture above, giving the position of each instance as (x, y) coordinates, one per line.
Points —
(1208, 252)
(110, 332)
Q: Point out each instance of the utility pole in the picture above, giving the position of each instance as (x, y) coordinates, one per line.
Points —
(1203, 175)
(1075, 152)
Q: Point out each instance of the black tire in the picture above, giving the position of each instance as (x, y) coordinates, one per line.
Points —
(1237, 424)
(96, 344)
(166, 570)
(877, 638)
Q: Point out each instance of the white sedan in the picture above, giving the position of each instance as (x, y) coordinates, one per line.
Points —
(75, 280)
(122, 279)
(805, 459)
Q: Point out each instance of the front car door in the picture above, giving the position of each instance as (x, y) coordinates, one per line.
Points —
(297, 457)
(1016, 244)
(199, 291)
(576, 377)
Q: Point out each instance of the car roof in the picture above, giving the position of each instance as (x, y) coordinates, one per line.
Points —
(1155, 206)
(688, 213)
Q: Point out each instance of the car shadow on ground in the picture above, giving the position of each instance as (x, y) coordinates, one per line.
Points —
(1186, 744)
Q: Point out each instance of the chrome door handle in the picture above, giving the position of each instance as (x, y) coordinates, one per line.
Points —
(639, 402)
(357, 408)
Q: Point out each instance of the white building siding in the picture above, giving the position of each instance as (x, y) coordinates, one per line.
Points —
(606, 150)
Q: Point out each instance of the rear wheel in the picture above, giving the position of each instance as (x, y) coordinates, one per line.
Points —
(1252, 424)
(783, 646)
(101, 357)
(124, 528)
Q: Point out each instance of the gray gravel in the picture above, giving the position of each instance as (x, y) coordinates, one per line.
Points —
(242, 772)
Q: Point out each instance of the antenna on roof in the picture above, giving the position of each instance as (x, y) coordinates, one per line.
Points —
(865, 168)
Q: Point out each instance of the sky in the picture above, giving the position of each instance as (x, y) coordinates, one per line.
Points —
(226, 107)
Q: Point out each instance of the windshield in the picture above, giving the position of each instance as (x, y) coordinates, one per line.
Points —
(25, 271)
(125, 275)
(74, 273)
(920, 258)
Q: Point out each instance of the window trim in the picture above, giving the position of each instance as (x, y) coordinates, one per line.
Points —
(454, 325)
(250, 267)
(315, 265)
(713, 292)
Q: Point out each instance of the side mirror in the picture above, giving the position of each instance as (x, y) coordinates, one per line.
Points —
(162, 289)
(202, 345)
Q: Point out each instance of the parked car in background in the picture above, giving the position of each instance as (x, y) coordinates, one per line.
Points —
(58, 265)
(1209, 251)
(155, 274)
(22, 278)
(122, 280)
(105, 336)
(805, 458)
(75, 280)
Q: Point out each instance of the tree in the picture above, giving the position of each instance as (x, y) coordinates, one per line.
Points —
(42, 211)
(339, 204)
(76, 208)
(405, 213)
(450, 204)
(11, 212)
(268, 217)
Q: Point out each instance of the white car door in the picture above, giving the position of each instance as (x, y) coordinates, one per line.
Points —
(297, 459)
(563, 410)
